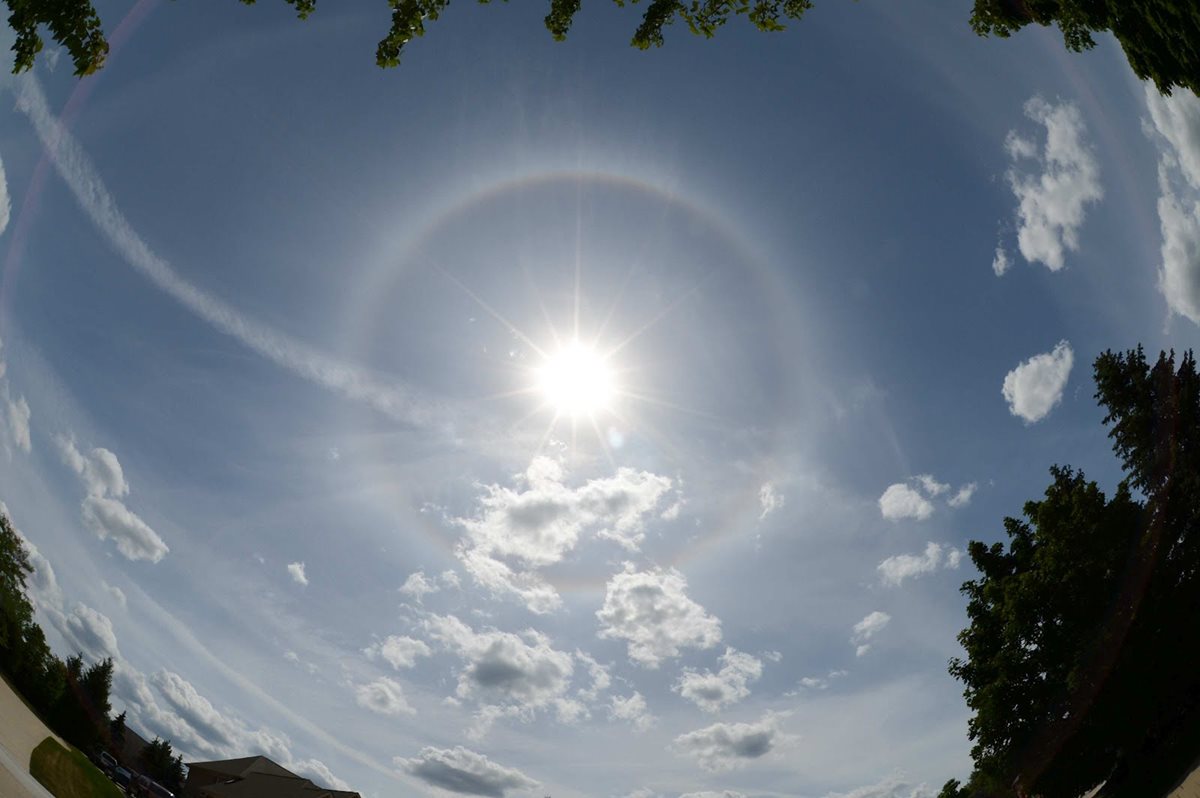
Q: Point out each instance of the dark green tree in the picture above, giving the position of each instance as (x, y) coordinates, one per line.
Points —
(1161, 38)
(159, 763)
(1074, 666)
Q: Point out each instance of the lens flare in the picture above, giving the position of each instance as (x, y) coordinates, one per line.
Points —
(576, 381)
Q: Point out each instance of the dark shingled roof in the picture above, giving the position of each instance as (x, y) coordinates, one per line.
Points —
(259, 777)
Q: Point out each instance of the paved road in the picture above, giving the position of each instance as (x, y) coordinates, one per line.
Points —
(20, 733)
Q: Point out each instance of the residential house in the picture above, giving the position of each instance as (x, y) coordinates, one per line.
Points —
(252, 777)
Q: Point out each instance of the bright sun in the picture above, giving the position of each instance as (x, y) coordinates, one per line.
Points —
(576, 381)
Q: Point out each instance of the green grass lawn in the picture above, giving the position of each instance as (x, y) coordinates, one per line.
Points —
(68, 773)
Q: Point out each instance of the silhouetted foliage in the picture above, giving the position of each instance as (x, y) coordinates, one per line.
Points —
(73, 699)
(158, 763)
(81, 713)
(1161, 38)
(1076, 667)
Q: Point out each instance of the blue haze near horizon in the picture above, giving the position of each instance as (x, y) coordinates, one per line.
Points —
(793, 234)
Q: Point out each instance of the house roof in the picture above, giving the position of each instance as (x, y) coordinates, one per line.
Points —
(245, 766)
(266, 785)
(259, 777)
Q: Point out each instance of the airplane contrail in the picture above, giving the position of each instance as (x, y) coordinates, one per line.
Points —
(81, 177)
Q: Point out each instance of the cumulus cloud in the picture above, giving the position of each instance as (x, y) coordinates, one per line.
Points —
(1052, 200)
(384, 696)
(930, 485)
(399, 651)
(296, 571)
(117, 593)
(18, 423)
(103, 511)
(463, 771)
(1036, 385)
(866, 629)
(901, 501)
(601, 680)
(169, 706)
(963, 497)
(816, 682)
(651, 612)
(712, 692)
(725, 746)
(1000, 261)
(632, 709)
(770, 499)
(519, 530)
(508, 675)
(894, 570)
(91, 632)
(890, 787)
(5, 203)
(417, 586)
(1175, 126)
(110, 518)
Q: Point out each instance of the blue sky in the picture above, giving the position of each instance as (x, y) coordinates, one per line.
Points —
(272, 326)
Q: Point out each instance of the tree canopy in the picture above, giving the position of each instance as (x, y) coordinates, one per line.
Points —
(1161, 38)
(1075, 669)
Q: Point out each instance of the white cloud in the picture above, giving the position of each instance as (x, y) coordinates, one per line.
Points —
(5, 203)
(714, 794)
(931, 486)
(417, 586)
(632, 709)
(463, 771)
(963, 497)
(894, 570)
(1036, 385)
(520, 530)
(901, 501)
(1000, 261)
(601, 680)
(712, 692)
(1052, 204)
(18, 423)
(383, 696)
(725, 746)
(508, 675)
(866, 629)
(816, 682)
(318, 772)
(398, 651)
(296, 570)
(102, 509)
(1176, 125)
(43, 588)
(770, 499)
(169, 706)
(84, 182)
(117, 593)
(110, 518)
(90, 631)
(890, 787)
(651, 611)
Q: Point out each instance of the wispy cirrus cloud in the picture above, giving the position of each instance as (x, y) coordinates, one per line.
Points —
(85, 183)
